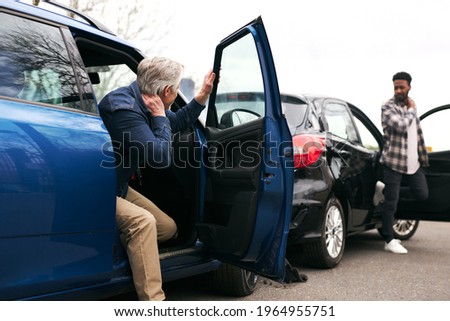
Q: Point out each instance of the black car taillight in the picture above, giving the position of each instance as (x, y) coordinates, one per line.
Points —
(307, 149)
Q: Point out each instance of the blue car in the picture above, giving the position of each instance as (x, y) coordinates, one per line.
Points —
(229, 189)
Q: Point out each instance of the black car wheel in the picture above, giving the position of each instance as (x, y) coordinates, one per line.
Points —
(232, 280)
(404, 229)
(327, 251)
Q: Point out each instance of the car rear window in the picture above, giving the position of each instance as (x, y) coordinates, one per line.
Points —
(295, 111)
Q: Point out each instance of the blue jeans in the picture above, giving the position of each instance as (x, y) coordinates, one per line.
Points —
(417, 189)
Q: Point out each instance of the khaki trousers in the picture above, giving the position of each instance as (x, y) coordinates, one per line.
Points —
(142, 224)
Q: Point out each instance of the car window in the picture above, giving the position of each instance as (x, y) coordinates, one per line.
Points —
(436, 131)
(108, 67)
(240, 97)
(339, 121)
(295, 112)
(109, 77)
(37, 65)
(367, 139)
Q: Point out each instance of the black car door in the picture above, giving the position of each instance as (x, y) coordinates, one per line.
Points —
(437, 206)
(351, 162)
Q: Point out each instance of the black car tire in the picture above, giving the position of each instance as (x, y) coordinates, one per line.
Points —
(328, 250)
(403, 229)
(233, 281)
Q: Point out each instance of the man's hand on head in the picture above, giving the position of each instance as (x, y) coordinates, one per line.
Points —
(410, 103)
(154, 105)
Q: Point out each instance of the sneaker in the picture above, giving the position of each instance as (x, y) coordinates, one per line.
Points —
(394, 246)
(378, 197)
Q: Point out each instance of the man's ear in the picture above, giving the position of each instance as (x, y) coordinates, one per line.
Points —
(166, 90)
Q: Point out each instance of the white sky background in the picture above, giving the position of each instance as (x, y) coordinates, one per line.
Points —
(348, 49)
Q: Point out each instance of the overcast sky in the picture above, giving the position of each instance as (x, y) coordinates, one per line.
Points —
(348, 49)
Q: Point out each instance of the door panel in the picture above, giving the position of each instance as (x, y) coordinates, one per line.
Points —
(57, 202)
(437, 206)
(231, 194)
(57, 194)
(353, 163)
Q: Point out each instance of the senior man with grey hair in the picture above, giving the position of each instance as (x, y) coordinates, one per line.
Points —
(140, 122)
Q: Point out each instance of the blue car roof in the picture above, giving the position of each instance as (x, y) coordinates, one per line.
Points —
(61, 19)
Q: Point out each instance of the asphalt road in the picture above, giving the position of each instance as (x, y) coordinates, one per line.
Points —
(366, 273)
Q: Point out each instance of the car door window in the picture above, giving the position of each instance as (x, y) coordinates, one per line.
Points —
(339, 121)
(108, 68)
(35, 57)
(367, 138)
(240, 92)
(106, 78)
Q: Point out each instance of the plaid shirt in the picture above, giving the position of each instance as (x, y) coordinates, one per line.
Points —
(395, 120)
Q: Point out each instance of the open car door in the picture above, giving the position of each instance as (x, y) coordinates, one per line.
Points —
(247, 154)
(437, 206)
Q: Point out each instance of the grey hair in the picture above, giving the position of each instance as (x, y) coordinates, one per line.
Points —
(154, 74)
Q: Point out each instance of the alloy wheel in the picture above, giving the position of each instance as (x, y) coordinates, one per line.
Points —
(404, 227)
(334, 231)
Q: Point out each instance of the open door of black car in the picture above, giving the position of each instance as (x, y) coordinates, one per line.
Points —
(437, 206)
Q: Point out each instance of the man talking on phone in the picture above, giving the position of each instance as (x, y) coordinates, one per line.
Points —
(404, 156)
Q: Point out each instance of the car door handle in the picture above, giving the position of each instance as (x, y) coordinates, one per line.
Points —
(345, 154)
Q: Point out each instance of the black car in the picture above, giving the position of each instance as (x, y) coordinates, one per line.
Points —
(337, 149)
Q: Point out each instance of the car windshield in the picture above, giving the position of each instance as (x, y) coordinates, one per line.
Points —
(295, 111)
